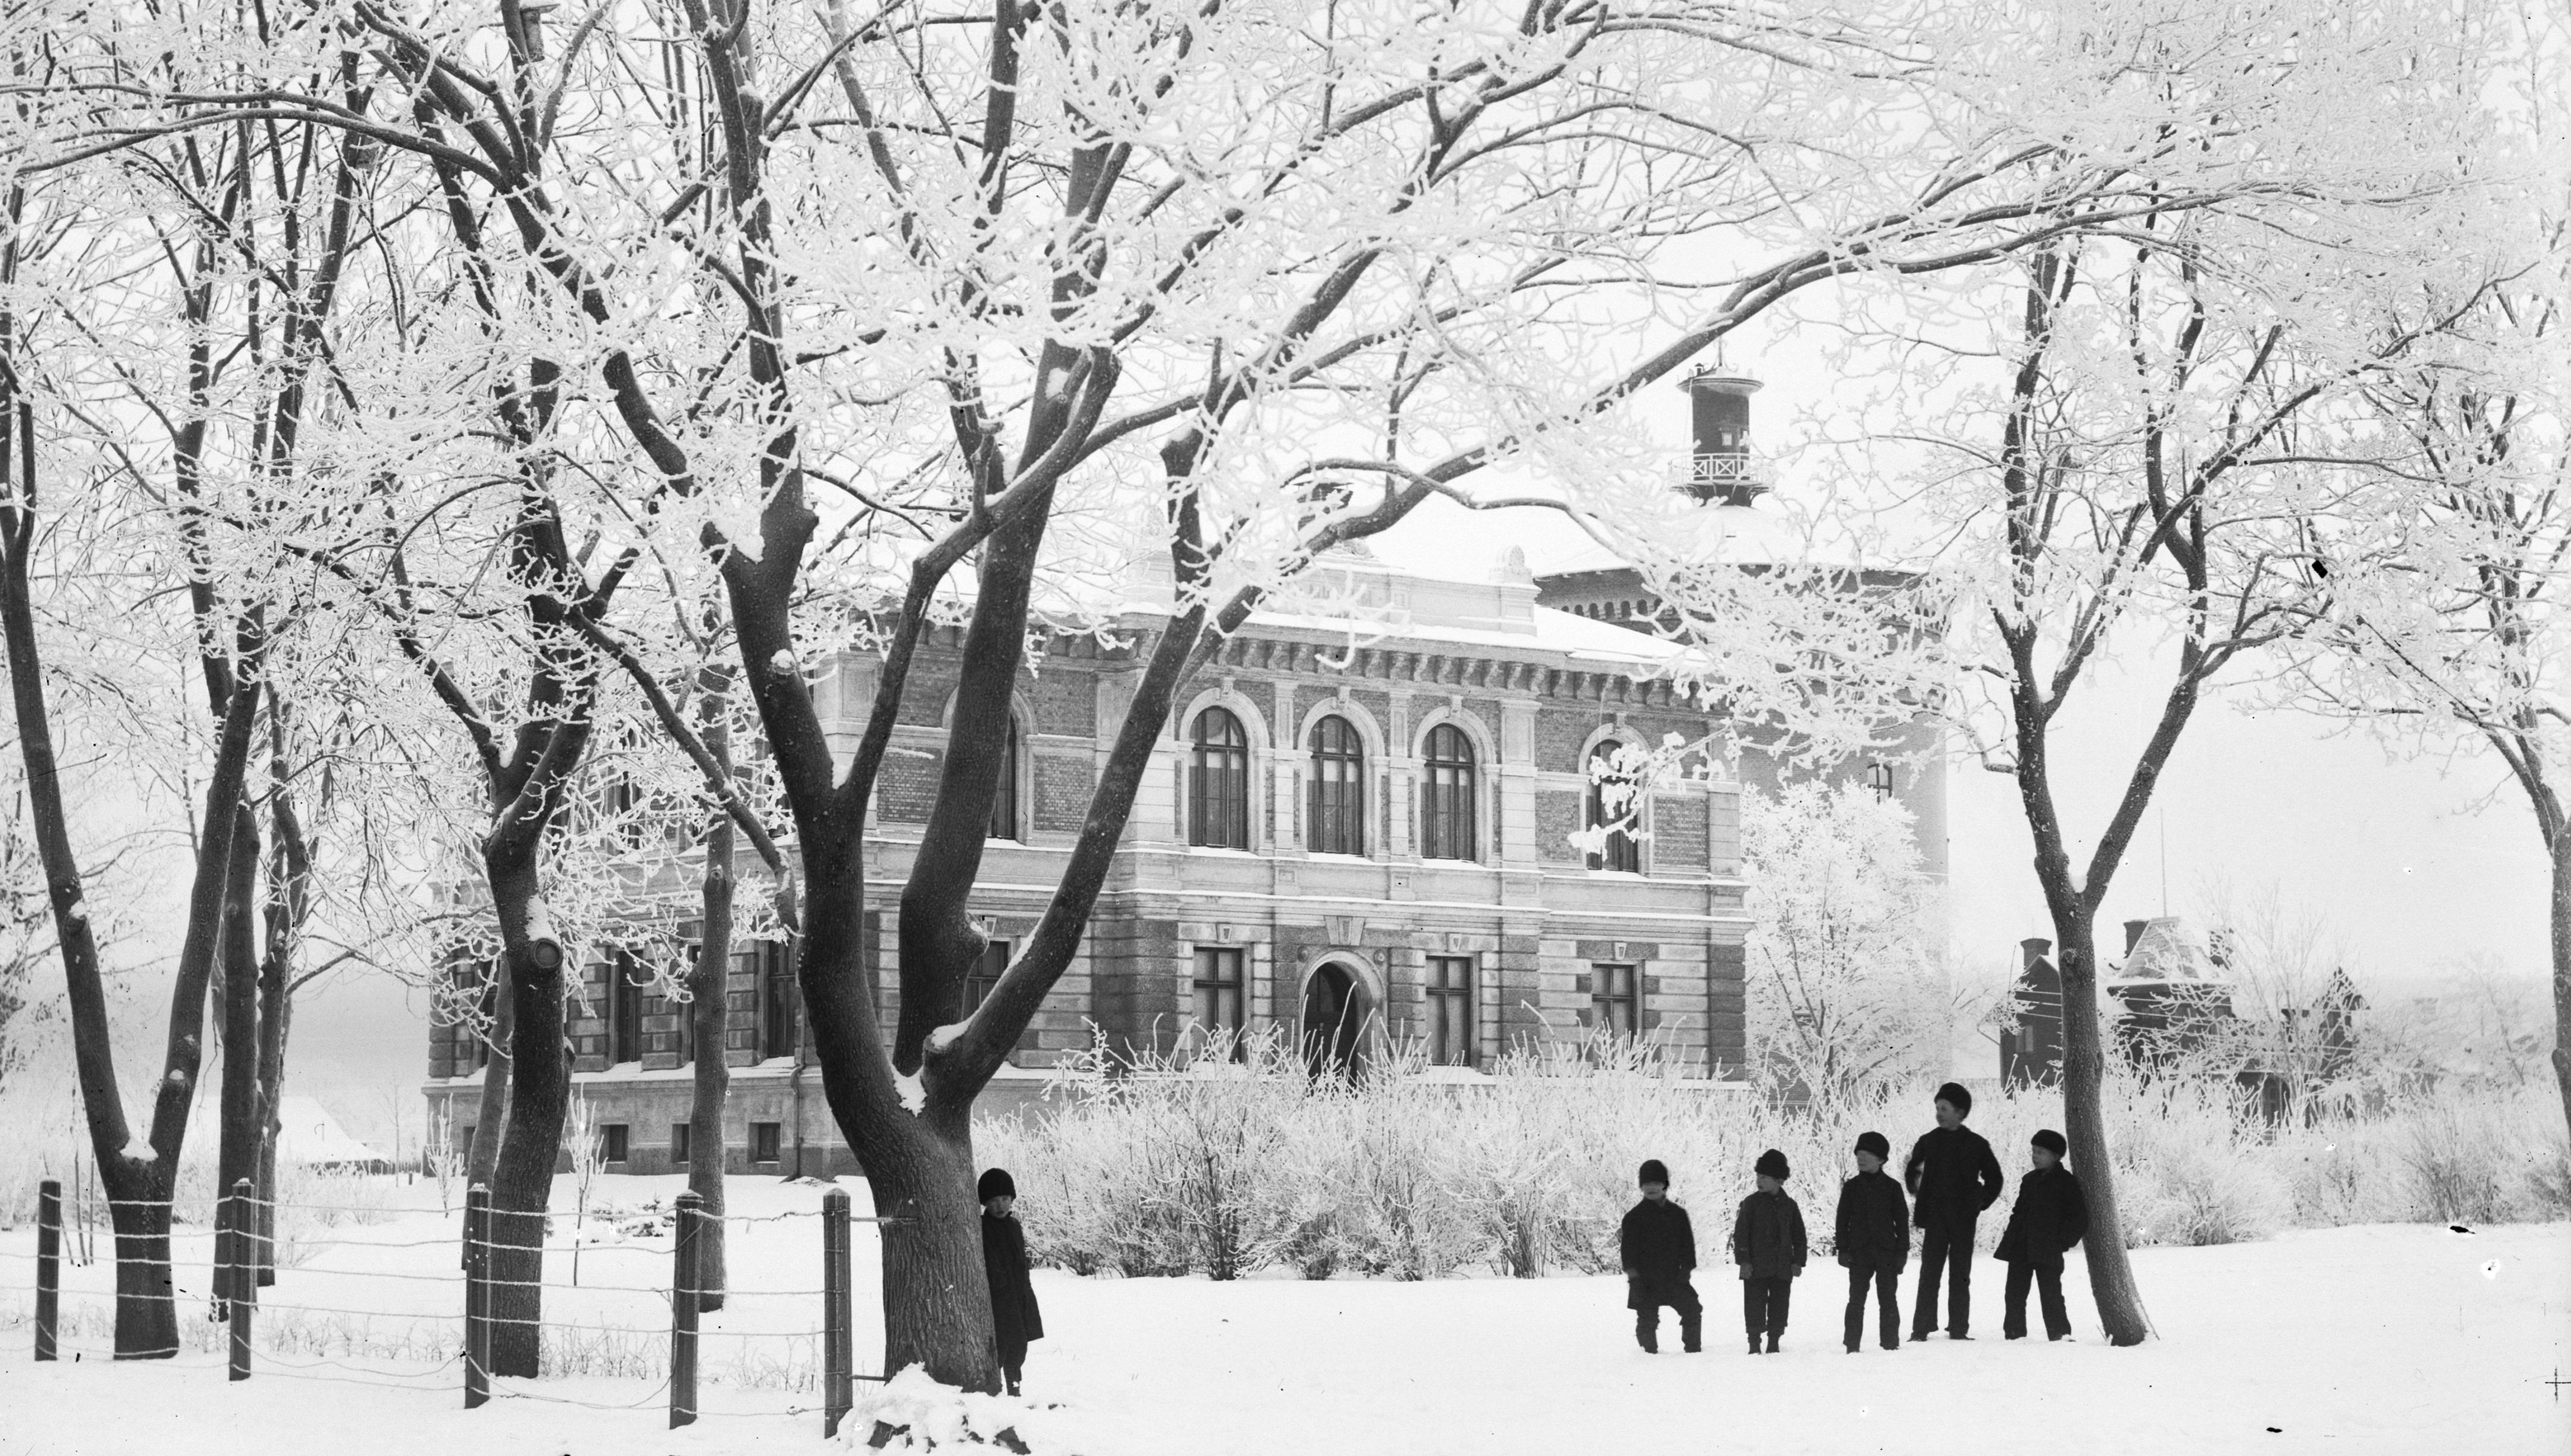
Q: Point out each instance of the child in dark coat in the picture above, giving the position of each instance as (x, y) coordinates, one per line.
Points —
(1874, 1241)
(1952, 1176)
(1657, 1247)
(1015, 1320)
(1768, 1244)
(2050, 1218)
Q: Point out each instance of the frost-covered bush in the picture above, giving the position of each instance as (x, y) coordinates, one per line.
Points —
(1222, 1168)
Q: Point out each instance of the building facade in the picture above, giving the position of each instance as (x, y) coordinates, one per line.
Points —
(1355, 834)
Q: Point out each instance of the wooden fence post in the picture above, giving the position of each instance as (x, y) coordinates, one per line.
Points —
(49, 1264)
(838, 1353)
(477, 1297)
(683, 1311)
(245, 1276)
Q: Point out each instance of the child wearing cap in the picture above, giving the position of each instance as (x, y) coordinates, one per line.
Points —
(1015, 1319)
(1657, 1247)
(2050, 1218)
(1768, 1244)
(1952, 1176)
(1874, 1241)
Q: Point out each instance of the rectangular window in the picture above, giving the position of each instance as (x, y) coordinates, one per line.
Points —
(625, 1007)
(613, 1144)
(1450, 1010)
(1217, 994)
(686, 1011)
(464, 1142)
(679, 1133)
(986, 974)
(1614, 1008)
(777, 1000)
(767, 1141)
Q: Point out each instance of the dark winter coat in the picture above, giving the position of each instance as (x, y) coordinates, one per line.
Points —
(1014, 1316)
(1767, 1237)
(1657, 1246)
(2050, 1216)
(1873, 1223)
(1952, 1176)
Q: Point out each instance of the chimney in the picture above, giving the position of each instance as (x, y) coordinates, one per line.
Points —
(1720, 469)
(2035, 946)
(2134, 933)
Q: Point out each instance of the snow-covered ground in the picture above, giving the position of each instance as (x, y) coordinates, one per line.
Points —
(2394, 1339)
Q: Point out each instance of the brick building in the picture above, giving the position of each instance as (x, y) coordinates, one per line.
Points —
(1355, 828)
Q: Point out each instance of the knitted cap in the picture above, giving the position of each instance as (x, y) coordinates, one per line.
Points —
(1653, 1171)
(2051, 1141)
(1873, 1143)
(1954, 1091)
(1771, 1163)
(995, 1183)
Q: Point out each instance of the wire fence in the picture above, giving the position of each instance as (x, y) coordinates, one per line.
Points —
(265, 1332)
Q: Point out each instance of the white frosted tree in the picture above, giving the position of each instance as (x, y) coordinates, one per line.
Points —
(1844, 989)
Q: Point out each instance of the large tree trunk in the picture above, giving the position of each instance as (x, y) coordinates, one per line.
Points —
(936, 1298)
(482, 1157)
(707, 986)
(275, 1013)
(539, 1090)
(2084, 1069)
(147, 1301)
(238, 1136)
(2562, 967)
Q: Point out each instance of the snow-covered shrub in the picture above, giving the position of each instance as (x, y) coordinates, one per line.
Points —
(2459, 1163)
(1411, 1173)
(911, 1412)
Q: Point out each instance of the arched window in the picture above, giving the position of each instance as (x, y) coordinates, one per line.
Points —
(1621, 851)
(1004, 799)
(1338, 822)
(1219, 783)
(1447, 822)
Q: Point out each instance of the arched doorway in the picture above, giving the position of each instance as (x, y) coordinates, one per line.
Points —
(1335, 1009)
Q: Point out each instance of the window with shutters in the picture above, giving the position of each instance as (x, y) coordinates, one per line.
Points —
(1446, 819)
(1004, 796)
(1615, 1008)
(1450, 1010)
(1219, 783)
(1218, 995)
(1336, 824)
(1614, 805)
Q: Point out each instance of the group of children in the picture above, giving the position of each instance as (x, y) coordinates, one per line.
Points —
(1951, 1177)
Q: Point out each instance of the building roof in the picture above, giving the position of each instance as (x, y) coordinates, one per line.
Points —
(1362, 601)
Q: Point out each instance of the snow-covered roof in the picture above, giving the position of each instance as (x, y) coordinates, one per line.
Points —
(1704, 535)
(1361, 601)
(308, 1134)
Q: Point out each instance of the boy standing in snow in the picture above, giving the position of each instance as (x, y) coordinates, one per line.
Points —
(1015, 1319)
(2050, 1216)
(1952, 1177)
(1874, 1241)
(1768, 1244)
(1657, 1248)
